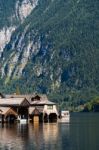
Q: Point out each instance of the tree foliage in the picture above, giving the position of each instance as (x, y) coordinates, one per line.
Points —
(70, 31)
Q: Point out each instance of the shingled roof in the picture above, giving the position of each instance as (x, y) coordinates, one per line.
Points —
(3, 110)
(34, 99)
(14, 102)
(40, 109)
(43, 97)
(7, 110)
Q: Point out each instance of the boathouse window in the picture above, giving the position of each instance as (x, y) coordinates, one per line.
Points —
(49, 107)
(36, 98)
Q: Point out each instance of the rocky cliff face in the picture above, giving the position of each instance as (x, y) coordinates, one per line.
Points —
(51, 46)
(5, 36)
(22, 9)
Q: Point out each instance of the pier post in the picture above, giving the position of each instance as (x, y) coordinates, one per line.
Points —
(0, 117)
(43, 118)
(48, 118)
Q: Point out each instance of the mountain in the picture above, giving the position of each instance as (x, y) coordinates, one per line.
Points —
(52, 47)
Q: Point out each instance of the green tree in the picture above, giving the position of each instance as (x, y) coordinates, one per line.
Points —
(17, 91)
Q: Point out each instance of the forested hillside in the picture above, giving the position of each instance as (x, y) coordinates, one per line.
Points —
(52, 49)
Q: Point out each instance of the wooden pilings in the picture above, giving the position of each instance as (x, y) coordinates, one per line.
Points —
(1, 118)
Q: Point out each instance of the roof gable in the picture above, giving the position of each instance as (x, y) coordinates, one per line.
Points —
(36, 112)
(25, 103)
(11, 112)
(7, 111)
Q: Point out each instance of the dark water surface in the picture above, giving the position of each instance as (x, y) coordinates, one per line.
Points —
(82, 133)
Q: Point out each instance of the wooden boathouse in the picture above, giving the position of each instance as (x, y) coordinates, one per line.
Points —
(34, 108)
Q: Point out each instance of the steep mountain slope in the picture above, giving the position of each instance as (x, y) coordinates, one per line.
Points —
(53, 47)
(12, 14)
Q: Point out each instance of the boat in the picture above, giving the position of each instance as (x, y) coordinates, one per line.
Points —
(64, 116)
(22, 120)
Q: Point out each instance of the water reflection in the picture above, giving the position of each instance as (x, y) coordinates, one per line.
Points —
(50, 132)
(37, 136)
(9, 137)
(80, 134)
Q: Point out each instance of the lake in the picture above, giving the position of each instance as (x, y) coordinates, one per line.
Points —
(82, 133)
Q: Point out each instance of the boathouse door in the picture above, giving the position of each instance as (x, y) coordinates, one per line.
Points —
(36, 115)
(23, 110)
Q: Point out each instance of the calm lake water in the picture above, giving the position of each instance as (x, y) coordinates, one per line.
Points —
(82, 133)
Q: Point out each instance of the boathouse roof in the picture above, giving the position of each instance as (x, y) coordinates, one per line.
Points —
(40, 109)
(27, 100)
(34, 96)
(3, 110)
(7, 110)
(34, 99)
(31, 109)
(14, 102)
